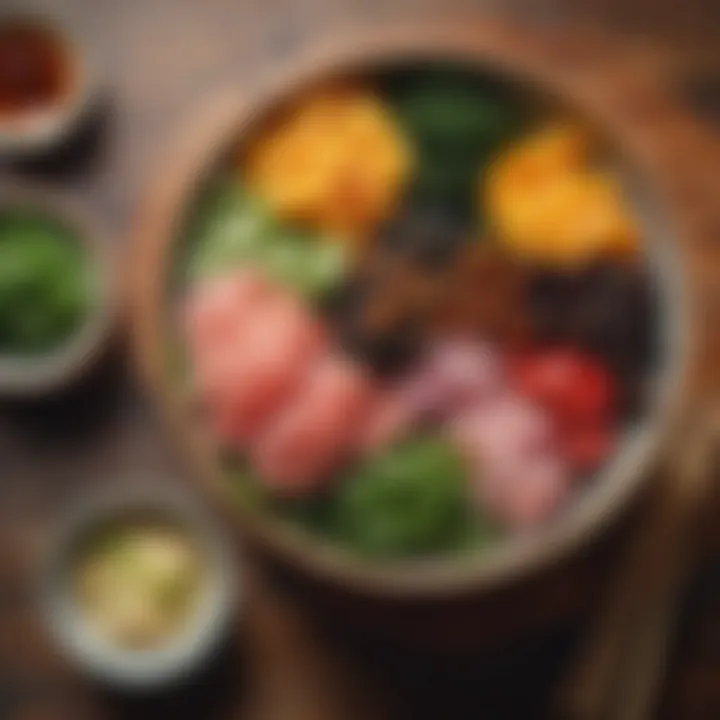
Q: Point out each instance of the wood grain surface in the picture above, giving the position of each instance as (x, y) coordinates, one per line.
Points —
(164, 59)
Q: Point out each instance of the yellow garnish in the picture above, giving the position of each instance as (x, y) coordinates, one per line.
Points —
(337, 162)
(549, 205)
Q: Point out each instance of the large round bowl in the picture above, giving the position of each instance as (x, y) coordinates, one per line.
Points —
(546, 74)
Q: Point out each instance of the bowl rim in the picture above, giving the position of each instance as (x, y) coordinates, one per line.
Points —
(100, 658)
(25, 376)
(485, 45)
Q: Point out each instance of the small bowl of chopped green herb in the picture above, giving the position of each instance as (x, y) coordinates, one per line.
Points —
(55, 293)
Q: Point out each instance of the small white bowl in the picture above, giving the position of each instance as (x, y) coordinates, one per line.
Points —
(31, 376)
(95, 654)
(42, 130)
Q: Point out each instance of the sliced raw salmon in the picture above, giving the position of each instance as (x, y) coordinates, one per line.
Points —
(317, 429)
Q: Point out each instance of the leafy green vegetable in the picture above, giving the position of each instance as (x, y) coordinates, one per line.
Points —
(409, 500)
(457, 121)
(44, 282)
(232, 228)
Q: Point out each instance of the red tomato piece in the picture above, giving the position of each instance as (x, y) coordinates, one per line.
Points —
(571, 385)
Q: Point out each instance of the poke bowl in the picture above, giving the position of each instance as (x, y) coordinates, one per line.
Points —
(413, 310)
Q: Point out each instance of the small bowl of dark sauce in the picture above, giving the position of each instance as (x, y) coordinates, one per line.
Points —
(45, 84)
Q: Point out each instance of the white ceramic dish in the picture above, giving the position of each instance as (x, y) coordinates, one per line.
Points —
(96, 655)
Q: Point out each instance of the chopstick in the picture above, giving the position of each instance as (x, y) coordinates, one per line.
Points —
(620, 670)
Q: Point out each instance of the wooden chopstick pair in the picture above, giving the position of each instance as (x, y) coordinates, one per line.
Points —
(619, 673)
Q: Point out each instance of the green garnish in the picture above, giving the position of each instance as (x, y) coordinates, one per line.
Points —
(44, 283)
(233, 229)
(409, 500)
(457, 122)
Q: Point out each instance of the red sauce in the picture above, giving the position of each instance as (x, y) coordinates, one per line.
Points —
(34, 68)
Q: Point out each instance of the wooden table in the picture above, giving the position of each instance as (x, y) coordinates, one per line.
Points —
(163, 59)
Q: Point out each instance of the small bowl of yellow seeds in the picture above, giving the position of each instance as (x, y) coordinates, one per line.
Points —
(138, 588)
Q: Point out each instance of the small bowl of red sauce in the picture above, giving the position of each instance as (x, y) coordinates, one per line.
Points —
(45, 87)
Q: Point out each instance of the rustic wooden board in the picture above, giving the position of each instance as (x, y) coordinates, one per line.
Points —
(164, 59)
